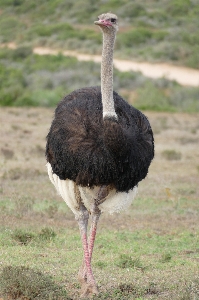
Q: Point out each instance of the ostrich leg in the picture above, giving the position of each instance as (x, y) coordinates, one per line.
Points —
(86, 278)
(95, 213)
(85, 275)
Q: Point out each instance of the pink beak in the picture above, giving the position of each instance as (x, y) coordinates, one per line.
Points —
(103, 23)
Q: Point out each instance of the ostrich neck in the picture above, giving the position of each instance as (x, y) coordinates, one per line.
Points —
(107, 75)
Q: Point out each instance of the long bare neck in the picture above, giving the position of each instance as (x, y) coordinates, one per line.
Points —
(107, 75)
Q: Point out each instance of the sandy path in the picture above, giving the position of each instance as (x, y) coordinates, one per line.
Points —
(184, 76)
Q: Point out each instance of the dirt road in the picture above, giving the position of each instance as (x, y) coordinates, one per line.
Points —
(184, 76)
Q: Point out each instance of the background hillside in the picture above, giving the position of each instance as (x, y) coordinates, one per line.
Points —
(164, 30)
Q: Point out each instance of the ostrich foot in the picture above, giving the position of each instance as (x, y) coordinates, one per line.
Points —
(88, 289)
(82, 277)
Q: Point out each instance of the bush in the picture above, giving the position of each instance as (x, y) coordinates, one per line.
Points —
(131, 10)
(135, 37)
(22, 52)
(152, 98)
(29, 284)
(178, 7)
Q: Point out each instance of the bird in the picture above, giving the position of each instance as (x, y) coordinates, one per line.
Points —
(98, 149)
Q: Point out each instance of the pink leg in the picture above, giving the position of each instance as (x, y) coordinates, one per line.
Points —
(95, 218)
(85, 274)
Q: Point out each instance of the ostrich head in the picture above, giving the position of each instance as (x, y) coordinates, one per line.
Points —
(108, 22)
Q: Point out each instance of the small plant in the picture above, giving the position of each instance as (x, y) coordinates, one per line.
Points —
(166, 257)
(101, 264)
(171, 155)
(22, 237)
(26, 283)
(47, 234)
(126, 261)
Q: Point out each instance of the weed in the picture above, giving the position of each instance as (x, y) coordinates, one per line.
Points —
(47, 234)
(101, 264)
(166, 257)
(171, 155)
(21, 282)
(126, 261)
(23, 237)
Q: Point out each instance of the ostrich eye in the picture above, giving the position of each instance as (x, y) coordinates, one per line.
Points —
(113, 20)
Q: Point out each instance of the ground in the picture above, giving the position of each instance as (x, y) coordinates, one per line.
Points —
(150, 251)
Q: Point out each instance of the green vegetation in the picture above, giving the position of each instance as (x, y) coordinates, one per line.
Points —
(21, 282)
(28, 79)
(36, 262)
(164, 30)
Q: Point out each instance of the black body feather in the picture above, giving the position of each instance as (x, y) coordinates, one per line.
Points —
(83, 147)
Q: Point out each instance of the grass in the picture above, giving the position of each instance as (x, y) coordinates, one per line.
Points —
(171, 154)
(149, 252)
(22, 282)
(33, 80)
(152, 30)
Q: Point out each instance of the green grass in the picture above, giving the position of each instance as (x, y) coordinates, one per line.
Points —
(32, 80)
(128, 262)
(152, 30)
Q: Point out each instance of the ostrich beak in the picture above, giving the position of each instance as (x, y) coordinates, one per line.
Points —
(97, 22)
(105, 23)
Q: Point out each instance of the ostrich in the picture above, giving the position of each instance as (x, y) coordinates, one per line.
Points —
(98, 148)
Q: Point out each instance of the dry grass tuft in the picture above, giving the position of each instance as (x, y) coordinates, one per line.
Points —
(22, 237)
(171, 155)
(7, 153)
(26, 283)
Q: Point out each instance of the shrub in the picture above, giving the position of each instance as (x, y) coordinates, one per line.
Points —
(135, 37)
(178, 7)
(22, 52)
(131, 10)
(26, 283)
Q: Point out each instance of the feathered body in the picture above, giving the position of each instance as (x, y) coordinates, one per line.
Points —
(83, 147)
